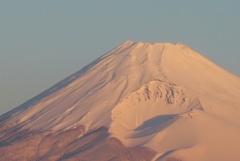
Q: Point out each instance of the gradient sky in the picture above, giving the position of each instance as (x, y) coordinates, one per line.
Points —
(42, 42)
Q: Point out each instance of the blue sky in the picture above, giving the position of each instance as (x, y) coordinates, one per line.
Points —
(42, 42)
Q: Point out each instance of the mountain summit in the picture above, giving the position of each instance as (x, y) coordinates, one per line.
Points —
(140, 101)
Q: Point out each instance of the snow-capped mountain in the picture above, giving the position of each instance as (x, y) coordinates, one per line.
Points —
(140, 101)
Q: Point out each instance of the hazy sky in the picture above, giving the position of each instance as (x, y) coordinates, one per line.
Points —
(42, 42)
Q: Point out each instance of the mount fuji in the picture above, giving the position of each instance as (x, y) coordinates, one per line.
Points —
(140, 101)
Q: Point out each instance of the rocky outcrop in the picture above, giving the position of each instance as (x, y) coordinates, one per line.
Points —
(71, 144)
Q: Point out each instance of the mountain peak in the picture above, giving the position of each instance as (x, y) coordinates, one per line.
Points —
(143, 94)
(128, 42)
(140, 43)
(124, 70)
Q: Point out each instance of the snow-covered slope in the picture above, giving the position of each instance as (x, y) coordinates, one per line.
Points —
(161, 96)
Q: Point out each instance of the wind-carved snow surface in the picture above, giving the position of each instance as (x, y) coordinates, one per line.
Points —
(162, 96)
(147, 111)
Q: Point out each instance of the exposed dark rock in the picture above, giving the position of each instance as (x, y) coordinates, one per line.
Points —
(72, 144)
